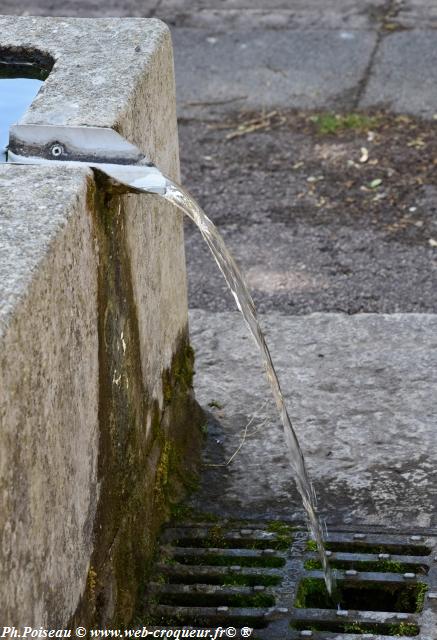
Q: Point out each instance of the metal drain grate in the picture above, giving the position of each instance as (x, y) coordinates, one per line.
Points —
(386, 585)
(220, 576)
(267, 577)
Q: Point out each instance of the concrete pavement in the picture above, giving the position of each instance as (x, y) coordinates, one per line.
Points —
(361, 394)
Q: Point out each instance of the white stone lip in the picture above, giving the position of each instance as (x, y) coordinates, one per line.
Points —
(100, 143)
(100, 148)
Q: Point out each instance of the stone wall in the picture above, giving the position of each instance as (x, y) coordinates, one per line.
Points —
(97, 415)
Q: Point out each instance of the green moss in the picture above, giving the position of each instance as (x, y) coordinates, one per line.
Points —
(404, 629)
(212, 600)
(216, 536)
(422, 588)
(362, 546)
(162, 475)
(204, 429)
(148, 455)
(183, 512)
(222, 560)
(255, 600)
(250, 580)
(311, 545)
(398, 629)
(311, 589)
(361, 596)
(354, 627)
(215, 404)
(284, 534)
(180, 375)
(384, 566)
(332, 123)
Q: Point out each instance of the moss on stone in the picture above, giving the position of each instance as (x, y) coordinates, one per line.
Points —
(371, 596)
(148, 455)
(422, 588)
(383, 565)
(284, 534)
(311, 545)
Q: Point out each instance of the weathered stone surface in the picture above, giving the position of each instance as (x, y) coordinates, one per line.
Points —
(48, 391)
(85, 8)
(300, 14)
(404, 74)
(96, 406)
(361, 392)
(271, 69)
(303, 14)
(419, 14)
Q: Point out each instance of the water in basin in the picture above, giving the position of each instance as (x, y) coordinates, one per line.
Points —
(16, 94)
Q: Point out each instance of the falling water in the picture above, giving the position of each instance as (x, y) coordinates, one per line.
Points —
(184, 201)
(18, 95)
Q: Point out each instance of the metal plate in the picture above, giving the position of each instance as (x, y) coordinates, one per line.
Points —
(247, 575)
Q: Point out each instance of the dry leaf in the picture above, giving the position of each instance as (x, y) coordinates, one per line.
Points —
(374, 184)
(417, 143)
(364, 154)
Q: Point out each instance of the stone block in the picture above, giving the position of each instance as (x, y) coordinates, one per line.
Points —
(98, 423)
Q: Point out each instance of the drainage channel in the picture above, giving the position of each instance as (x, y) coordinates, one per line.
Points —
(267, 577)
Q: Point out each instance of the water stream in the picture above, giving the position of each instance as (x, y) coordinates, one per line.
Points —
(226, 263)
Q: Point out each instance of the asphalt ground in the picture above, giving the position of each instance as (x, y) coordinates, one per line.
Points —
(322, 213)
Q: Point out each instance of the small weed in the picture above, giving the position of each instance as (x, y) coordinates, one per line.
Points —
(353, 627)
(384, 566)
(240, 579)
(398, 629)
(204, 429)
(225, 561)
(216, 536)
(420, 596)
(365, 547)
(361, 596)
(283, 532)
(312, 592)
(331, 123)
(183, 512)
(404, 629)
(215, 404)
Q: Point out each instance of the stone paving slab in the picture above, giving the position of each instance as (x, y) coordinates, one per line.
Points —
(404, 76)
(300, 14)
(311, 13)
(420, 14)
(269, 69)
(361, 391)
(76, 8)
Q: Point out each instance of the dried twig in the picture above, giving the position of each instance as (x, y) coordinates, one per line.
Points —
(244, 438)
(210, 103)
(264, 121)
